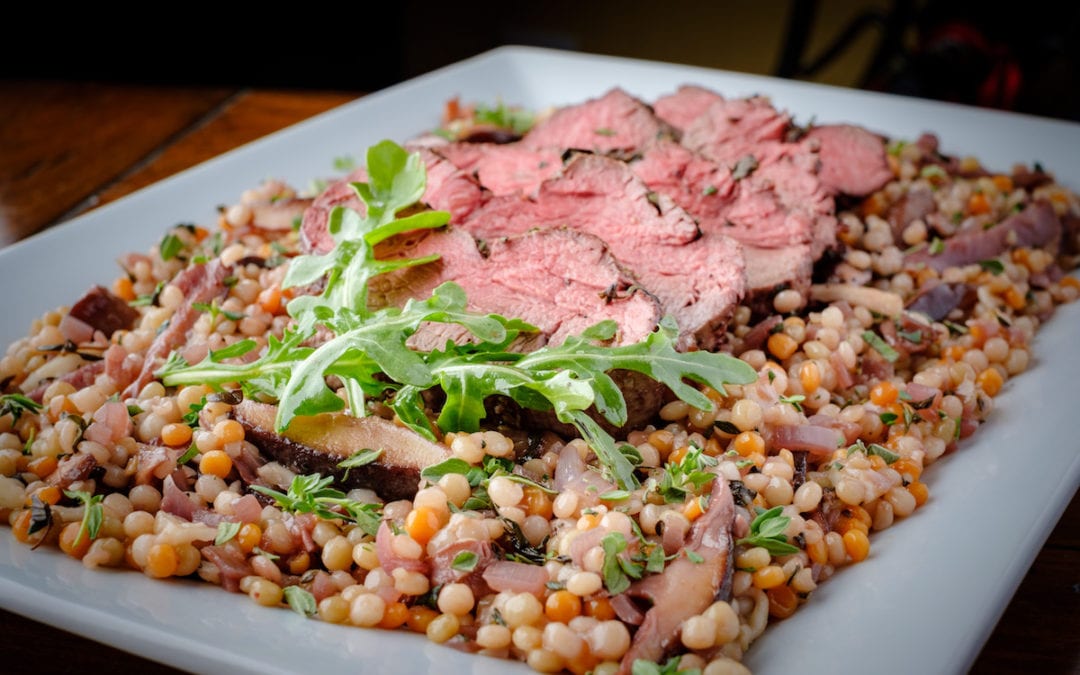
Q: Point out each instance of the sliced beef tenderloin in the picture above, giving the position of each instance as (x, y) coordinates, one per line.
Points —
(616, 123)
(688, 103)
(448, 189)
(781, 206)
(853, 160)
(771, 270)
(559, 280)
(698, 279)
(1036, 225)
(731, 129)
(505, 169)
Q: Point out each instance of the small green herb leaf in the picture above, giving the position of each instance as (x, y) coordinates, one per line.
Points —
(93, 513)
(767, 531)
(226, 530)
(301, 601)
(880, 346)
(465, 561)
(993, 266)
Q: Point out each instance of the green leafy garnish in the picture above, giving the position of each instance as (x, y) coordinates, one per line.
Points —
(888, 418)
(170, 246)
(226, 530)
(188, 455)
(686, 477)
(313, 494)
(873, 449)
(795, 401)
(216, 311)
(465, 561)
(937, 246)
(344, 163)
(359, 458)
(709, 190)
(767, 531)
(516, 119)
(669, 667)
(300, 600)
(93, 513)
(880, 346)
(614, 570)
(17, 404)
(993, 266)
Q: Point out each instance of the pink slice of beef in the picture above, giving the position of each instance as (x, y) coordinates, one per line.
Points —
(505, 169)
(448, 189)
(1036, 225)
(559, 280)
(698, 280)
(614, 123)
(771, 270)
(684, 106)
(853, 160)
(732, 129)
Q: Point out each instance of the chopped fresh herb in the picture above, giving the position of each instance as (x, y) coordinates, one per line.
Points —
(709, 190)
(767, 531)
(301, 601)
(433, 473)
(615, 496)
(150, 298)
(226, 530)
(957, 217)
(880, 346)
(615, 578)
(344, 163)
(743, 463)
(188, 455)
(995, 267)
(604, 131)
(956, 328)
(359, 458)
(694, 557)
(313, 494)
(795, 401)
(134, 410)
(170, 246)
(873, 449)
(937, 246)
(933, 171)
(17, 404)
(896, 146)
(912, 336)
(888, 418)
(465, 561)
(669, 667)
(266, 554)
(93, 513)
(215, 311)
(516, 119)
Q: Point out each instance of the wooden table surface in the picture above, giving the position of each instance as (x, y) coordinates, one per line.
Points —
(66, 148)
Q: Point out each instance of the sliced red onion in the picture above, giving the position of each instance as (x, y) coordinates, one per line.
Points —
(506, 575)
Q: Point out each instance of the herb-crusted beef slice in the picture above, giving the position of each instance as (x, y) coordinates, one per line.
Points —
(505, 169)
(616, 123)
(559, 280)
(698, 279)
(736, 174)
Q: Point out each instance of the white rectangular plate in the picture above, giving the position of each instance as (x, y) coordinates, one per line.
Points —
(924, 601)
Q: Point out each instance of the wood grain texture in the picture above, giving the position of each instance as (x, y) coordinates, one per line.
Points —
(61, 143)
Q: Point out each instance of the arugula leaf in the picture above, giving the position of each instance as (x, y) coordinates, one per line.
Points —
(170, 246)
(767, 531)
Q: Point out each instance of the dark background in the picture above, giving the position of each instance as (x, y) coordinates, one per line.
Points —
(1016, 56)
